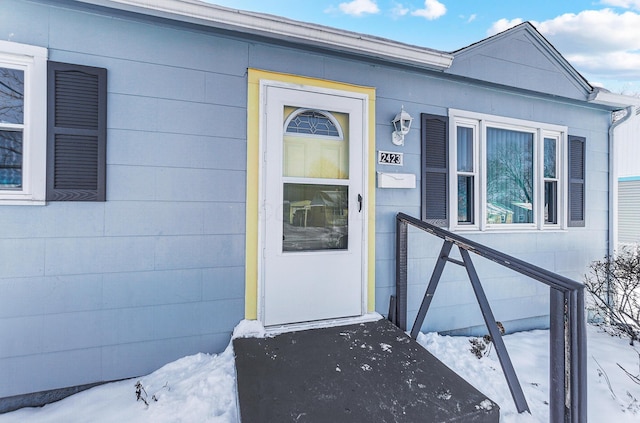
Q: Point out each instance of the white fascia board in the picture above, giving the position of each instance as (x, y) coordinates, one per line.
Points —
(613, 100)
(284, 29)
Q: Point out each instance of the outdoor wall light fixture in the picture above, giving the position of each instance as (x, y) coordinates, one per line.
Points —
(401, 126)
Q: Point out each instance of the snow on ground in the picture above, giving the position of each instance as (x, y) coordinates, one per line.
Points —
(201, 387)
(529, 352)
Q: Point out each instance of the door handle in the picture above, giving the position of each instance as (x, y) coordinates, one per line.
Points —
(359, 203)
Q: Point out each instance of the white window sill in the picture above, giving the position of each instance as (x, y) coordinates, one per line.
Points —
(22, 202)
(475, 230)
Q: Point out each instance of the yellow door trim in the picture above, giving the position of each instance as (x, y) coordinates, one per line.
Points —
(253, 177)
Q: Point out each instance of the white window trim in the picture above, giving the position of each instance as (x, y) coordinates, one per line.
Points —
(475, 126)
(540, 130)
(33, 60)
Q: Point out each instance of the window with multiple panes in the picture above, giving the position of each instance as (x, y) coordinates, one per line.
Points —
(551, 176)
(11, 127)
(52, 128)
(22, 122)
(504, 173)
(466, 171)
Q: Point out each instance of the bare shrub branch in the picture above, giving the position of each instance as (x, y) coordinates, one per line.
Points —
(614, 286)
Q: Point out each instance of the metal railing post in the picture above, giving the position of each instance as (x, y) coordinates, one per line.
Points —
(401, 274)
(557, 356)
(578, 366)
(581, 357)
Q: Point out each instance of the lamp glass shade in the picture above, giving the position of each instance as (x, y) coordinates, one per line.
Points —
(402, 122)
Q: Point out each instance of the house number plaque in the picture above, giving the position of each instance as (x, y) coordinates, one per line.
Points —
(390, 158)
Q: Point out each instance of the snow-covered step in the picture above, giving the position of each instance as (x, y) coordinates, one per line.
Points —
(367, 372)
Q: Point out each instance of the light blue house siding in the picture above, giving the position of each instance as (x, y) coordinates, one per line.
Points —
(102, 291)
(94, 292)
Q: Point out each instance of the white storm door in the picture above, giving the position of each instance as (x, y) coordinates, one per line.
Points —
(313, 206)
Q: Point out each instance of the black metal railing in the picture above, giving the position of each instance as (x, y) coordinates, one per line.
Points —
(567, 378)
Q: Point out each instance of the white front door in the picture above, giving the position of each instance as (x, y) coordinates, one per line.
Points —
(313, 205)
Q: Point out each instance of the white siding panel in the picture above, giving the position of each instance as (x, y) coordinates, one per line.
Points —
(629, 212)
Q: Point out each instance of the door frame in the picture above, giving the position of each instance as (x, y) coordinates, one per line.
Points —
(258, 80)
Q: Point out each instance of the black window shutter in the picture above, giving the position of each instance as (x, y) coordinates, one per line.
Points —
(435, 175)
(76, 132)
(576, 181)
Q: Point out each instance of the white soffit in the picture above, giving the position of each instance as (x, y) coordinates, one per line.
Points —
(284, 29)
(613, 100)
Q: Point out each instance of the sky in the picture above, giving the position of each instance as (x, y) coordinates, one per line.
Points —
(600, 38)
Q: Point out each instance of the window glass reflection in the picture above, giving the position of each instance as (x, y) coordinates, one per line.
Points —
(10, 160)
(509, 176)
(315, 217)
(11, 96)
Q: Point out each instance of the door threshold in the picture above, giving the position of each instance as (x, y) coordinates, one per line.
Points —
(295, 327)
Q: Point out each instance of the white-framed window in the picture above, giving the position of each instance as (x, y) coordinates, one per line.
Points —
(23, 121)
(467, 171)
(505, 174)
(552, 178)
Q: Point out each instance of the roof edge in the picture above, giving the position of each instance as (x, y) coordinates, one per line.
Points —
(283, 29)
(607, 98)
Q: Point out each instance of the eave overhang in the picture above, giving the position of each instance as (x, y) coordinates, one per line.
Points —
(614, 101)
(275, 27)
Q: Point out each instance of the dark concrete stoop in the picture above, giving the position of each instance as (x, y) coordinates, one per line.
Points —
(367, 372)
